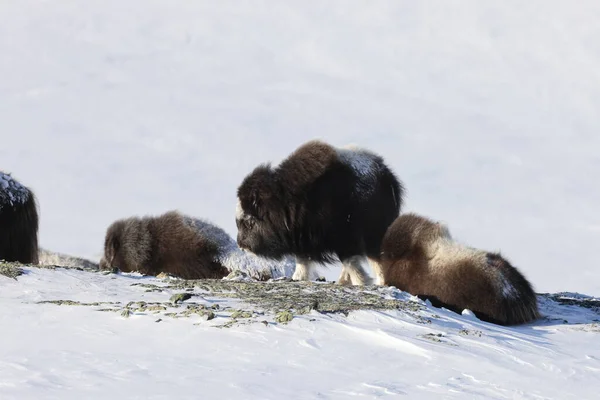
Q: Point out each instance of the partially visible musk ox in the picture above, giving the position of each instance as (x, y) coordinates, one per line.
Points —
(320, 204)
(420, 257)
(19, 222)
(182, 246)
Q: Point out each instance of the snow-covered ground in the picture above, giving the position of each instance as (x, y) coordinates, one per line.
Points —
(76, 351)
(488, 111)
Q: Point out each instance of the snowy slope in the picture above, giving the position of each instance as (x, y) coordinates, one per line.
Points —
(487, 111)
(51, 351)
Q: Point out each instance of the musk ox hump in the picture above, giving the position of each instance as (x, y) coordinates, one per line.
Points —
(307, 163)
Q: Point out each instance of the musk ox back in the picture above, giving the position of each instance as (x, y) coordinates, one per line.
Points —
(18, 222)
(320, 204)
(419, 256)
(179, 245)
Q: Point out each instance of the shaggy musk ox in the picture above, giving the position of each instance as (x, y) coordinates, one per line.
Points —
(18, 222)
(319, 204)
(420, 257)
(167, 243)
(182, 246)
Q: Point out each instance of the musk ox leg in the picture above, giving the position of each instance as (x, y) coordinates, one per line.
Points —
(353, 272)
(305, 270)
(377, 272)
(344, 278)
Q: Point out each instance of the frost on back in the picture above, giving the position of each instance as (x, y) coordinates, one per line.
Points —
(364, 165)
(235, 259)
(11, 191)
(361, 161)
(508, 290)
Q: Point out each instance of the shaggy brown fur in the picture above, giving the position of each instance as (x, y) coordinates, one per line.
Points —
(18, 222)
(168, 243)
(319, 205)
(420, 257)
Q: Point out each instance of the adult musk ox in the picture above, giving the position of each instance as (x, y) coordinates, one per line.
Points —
(420, 257)
(320, 204)
(18, 222)
(179, 245)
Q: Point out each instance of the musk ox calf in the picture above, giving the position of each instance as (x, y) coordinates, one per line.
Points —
(182, 246)
(420, 257)
(18, 222)
(320, 204)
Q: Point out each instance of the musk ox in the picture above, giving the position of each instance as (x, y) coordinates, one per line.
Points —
(182, 246)
(18, 222)
(420, 257)
(320, 204)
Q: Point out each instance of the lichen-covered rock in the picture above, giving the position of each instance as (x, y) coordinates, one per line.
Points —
(241, 314)
(284, 317)
(180, 298)
(10, 270)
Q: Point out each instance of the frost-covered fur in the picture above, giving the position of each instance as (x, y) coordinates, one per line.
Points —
(182, 246)
(321, 204)
(235, 259)
(19, 221)
(47, 257)
(419, 256)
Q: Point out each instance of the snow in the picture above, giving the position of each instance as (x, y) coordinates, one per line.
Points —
(69, 352)
(486, 111)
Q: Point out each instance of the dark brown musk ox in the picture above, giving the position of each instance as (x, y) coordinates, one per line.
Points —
(420, 257)
(182, 246)
(321, 204)
(19, 221)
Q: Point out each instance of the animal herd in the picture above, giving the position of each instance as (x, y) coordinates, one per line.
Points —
(319, 205)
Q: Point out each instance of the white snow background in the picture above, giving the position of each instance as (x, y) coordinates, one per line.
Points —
(488, 112)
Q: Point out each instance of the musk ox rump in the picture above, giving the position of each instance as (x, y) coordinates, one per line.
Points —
(320, 204)
(19, 222)
(419, 256)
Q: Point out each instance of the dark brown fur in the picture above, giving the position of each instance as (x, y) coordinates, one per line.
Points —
(320, 204)
(19, 223)
(419, 257)
(166, 243)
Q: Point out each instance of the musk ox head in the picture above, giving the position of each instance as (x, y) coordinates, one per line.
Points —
(126, 245)
(262, 215)
(112, 257)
